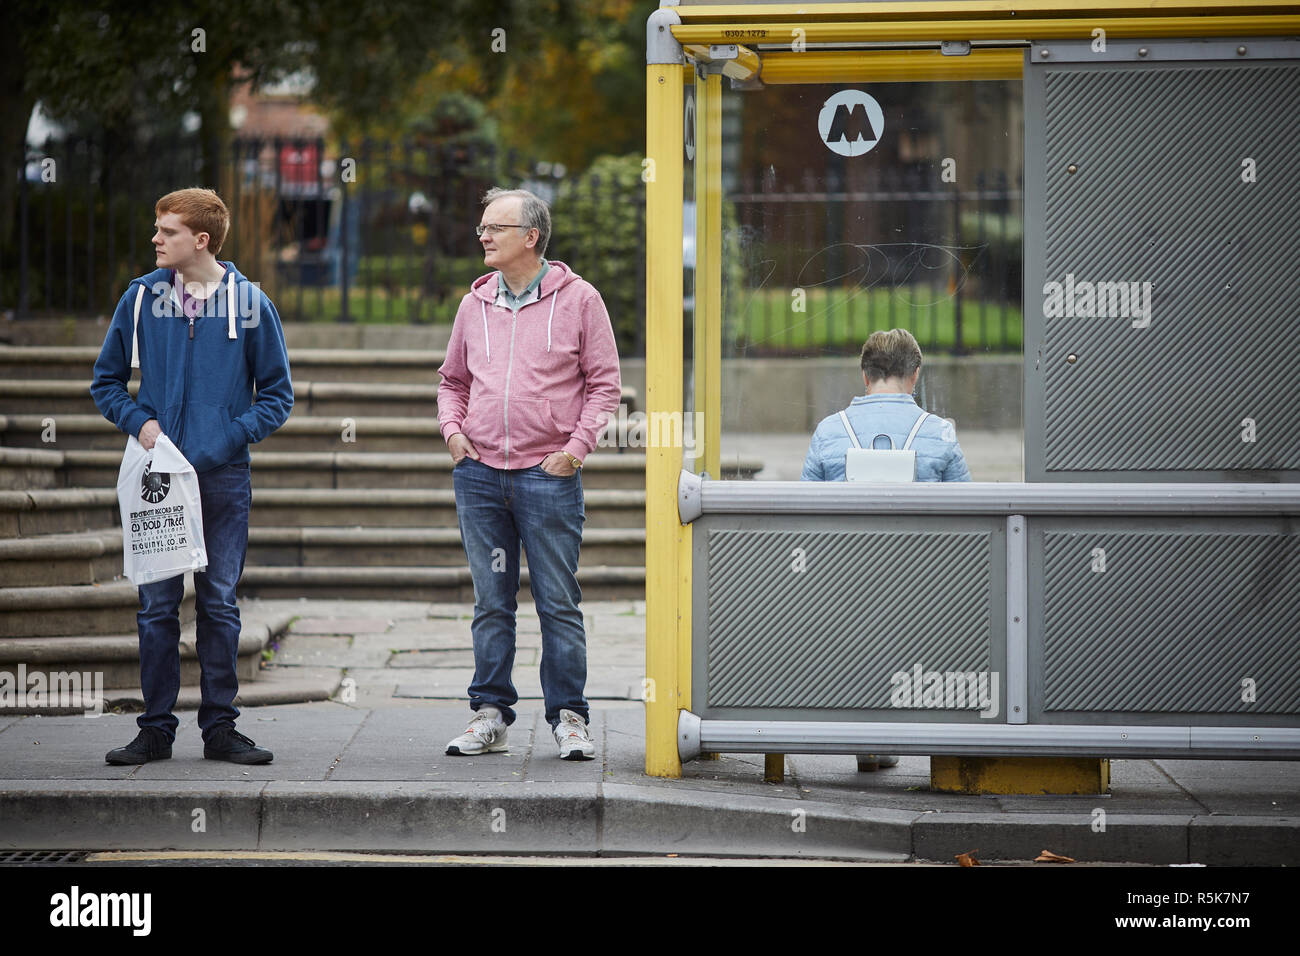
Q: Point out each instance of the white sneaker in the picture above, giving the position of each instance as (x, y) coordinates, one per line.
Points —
(572, 736)
(486, 734)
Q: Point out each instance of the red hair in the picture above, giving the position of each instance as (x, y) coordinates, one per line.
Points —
(201, 210)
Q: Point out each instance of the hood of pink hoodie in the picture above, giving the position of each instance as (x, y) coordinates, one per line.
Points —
(521, 385)
(557, 276)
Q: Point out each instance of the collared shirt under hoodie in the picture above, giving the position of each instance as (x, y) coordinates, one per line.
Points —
(532, 292)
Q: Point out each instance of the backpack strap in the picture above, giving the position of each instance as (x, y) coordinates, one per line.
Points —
(135, 330)
(849, 428)
(911, 436)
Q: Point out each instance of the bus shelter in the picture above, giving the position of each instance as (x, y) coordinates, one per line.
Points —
(1105, 192)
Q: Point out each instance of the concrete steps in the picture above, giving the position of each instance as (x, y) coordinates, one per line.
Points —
(301, 433)
(87, 557)
(352, 498)
(117, 656)
(25, 469)
(412, 547)
(54, 396)
(57, 510)
(95, 557)
(350, 429)
(310, 365)
(421, 584)
(89, 468)
(68, 332)
(407, 508)
(63, 610)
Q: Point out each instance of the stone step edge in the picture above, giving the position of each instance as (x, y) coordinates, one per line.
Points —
(74, 544)
(80, 388)
(603, 460)
(324, 576)
(269, 688)
(302, 390)
(62, 596)
(255, 633)
(296, 425)
(61, 355)
(92, 544)
(55, 498)
(41, 457)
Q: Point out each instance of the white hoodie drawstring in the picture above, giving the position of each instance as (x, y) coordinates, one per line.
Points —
(135, 329)
(555, 295)
(487, 345)
(230, 308)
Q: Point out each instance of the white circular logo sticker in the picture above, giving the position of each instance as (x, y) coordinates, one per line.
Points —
(688, 129)
(851, 123)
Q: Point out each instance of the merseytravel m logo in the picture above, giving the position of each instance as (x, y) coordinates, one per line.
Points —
(851, 123)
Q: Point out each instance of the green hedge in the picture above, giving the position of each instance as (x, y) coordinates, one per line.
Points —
(598, 229)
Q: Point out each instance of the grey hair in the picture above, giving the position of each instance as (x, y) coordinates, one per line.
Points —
(534, 211)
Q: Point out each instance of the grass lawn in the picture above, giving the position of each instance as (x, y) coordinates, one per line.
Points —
(842, 318)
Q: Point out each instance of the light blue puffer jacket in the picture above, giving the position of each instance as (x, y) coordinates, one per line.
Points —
(938, 456)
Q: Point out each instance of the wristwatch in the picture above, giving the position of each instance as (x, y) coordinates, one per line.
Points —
(572, 461)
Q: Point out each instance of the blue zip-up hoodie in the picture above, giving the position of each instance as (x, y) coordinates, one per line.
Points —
(198, 384)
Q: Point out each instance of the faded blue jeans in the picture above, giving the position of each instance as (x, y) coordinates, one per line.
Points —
(499, 510)
(226, 494)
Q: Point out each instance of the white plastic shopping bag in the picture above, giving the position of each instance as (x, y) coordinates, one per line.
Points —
(162, 520)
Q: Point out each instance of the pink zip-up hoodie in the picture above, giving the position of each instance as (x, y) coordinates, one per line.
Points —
(522, 385)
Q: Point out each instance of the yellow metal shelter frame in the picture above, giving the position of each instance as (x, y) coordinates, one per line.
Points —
(696, 44)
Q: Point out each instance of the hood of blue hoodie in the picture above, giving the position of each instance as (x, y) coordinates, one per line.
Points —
(156, 281)
(197, 376)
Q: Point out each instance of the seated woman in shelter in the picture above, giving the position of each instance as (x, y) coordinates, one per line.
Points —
(891, 364)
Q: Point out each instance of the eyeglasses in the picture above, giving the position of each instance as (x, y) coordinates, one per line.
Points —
(494, 228)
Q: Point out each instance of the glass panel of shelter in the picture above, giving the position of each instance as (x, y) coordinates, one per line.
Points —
(851, 208)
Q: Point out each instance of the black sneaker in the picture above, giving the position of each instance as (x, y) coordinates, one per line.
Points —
(149, 744)
(229, 744)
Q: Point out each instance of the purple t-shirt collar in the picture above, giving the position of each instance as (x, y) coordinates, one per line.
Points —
(190, 306)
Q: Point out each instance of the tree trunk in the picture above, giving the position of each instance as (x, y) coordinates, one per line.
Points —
(16, 105)
(212, 103)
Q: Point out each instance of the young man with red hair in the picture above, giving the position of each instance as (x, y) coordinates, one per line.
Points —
(204, 337)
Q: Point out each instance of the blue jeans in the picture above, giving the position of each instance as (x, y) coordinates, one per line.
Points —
(499, 510)
(226, 494)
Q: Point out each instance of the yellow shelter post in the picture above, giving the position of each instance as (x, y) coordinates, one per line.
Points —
(666, 538)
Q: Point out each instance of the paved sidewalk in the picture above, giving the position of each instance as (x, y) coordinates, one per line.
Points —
(366, 771)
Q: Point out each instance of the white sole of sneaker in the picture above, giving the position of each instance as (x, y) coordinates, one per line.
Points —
(454, 751)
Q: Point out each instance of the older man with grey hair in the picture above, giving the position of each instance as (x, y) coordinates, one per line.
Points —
(530, 379)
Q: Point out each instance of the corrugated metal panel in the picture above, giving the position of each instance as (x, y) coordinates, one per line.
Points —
(1174, 623)
(1158, 197)
(865, 605)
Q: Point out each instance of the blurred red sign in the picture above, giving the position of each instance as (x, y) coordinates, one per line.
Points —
(300, 163)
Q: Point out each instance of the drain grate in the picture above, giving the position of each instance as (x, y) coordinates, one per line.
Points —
(17, 857)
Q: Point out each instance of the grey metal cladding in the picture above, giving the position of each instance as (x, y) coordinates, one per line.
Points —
(1174, 624)
(1158, 197)
(866, 605)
